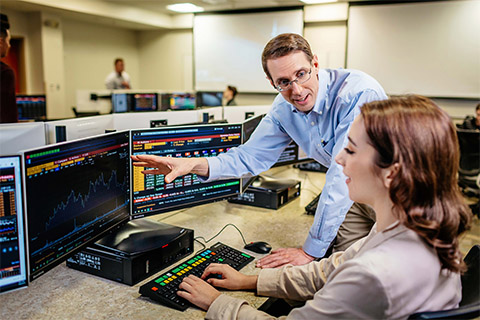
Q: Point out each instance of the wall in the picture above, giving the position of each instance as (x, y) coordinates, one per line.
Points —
(90, 50)
(166, 59)
(28, 26)
(161, 59)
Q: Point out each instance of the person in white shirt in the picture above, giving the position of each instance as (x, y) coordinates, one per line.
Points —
(118, 79)
(401, 158)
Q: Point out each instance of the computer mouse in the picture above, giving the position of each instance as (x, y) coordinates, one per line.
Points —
(258, 247)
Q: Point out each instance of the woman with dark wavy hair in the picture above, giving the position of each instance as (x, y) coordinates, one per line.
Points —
(401, 159)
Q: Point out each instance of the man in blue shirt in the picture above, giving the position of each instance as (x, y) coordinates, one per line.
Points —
(315, 108)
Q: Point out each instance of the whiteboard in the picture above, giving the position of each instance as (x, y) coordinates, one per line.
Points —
(228, 47)
(429, 48)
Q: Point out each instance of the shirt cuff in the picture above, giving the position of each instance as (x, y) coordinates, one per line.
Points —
(224, 307)
(315, 247)
(213, 174)
(267, 282)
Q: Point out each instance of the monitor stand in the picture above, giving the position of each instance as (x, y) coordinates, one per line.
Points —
(134, 251)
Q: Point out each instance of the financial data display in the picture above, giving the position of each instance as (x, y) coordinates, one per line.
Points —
(182, 101)
(13, 266)
(150, 193)
(75, 192)
(31, 107)
(145, 101)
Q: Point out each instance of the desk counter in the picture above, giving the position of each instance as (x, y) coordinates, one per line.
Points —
(64, 293)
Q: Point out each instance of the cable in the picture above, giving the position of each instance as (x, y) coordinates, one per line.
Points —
(228, 224)
(203, 245)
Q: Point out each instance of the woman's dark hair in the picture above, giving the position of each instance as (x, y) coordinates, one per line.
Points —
(234, 90)
(415, 133)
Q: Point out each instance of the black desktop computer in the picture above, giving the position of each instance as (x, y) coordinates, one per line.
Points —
(134, 251)
(268, 192)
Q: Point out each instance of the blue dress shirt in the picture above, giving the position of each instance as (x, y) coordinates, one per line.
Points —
(321, 133)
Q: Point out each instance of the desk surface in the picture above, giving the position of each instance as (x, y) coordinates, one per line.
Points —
(64, 293)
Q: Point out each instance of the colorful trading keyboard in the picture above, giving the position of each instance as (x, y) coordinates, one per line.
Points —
(164, 288)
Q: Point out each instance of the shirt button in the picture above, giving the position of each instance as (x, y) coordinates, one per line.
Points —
(320, 112)
(318, 145)
(312, 123)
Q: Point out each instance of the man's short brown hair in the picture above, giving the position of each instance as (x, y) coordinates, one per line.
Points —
(282, 45)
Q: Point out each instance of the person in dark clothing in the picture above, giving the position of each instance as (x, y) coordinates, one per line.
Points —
(8, 106)
(472, 123)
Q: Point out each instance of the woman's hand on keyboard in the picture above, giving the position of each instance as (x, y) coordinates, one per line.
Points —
(197, 292)
(228, 278)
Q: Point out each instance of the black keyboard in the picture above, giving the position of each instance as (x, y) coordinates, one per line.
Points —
(164, 288)
(311, 207)
(311, 166)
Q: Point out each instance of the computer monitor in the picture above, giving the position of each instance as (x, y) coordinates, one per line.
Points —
(182, 101)
(13, 259)
(209, 99)
(121, 102)
(145, 102)
(31, 107)
(75, 192)
(150, 193)
(249, 125)
(291, 154)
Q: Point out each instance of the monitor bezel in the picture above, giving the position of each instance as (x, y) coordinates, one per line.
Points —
(180, 206)
(24, 223)
(35, 275)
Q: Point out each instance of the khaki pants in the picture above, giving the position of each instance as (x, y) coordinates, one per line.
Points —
(357, 224)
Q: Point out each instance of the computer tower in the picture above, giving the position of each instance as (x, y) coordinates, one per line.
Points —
(134, 251)
(268, 192)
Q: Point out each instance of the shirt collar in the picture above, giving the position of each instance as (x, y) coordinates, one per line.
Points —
(323, 85)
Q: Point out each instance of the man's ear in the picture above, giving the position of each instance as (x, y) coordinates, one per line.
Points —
(315, 61)
(390, 173)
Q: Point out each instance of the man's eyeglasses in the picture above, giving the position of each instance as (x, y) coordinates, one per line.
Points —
(303, 76)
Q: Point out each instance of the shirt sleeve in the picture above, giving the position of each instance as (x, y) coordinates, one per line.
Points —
(110, 82)
(334, 202)
(257, 155)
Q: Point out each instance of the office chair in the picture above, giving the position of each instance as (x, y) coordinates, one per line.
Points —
(470, 305)
(84, 114)
(469, 170)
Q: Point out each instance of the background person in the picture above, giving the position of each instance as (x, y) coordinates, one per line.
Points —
(118, 79)
(315, 108)
(472, 123)
(402, 159)
(8, 104)
(229, 95)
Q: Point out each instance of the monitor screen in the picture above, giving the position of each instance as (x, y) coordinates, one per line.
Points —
(13, 259)
(291, 154)
(145, 102)
(150, 193)
(182, 101)
(209, 99)
(249, 125)
(120, 102)
(31, 107)
(75, 191)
